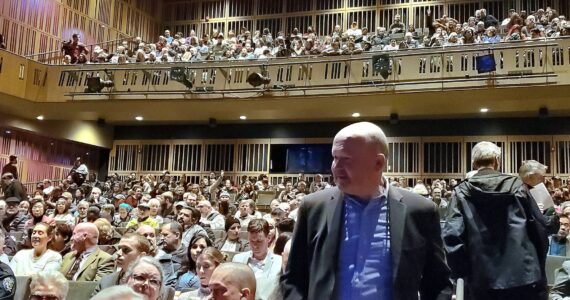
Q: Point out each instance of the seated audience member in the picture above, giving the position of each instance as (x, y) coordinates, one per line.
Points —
(558, 243)
(86, 262)
(118, 292)
(107, 234)
(31, 261)
(7, 282)
(561, 288)
(123, 217)
(281, 241)
(62, 214)
(285, 255)
(93, 213)
(108, 212)
(145, 277)
(3, 256)
(15, 220)
(154, 205)
(61, 241)
(130, 247)
(286, 225)
(247, 212)
(265, 265)
(82, 208)
(206, 263)
(188, 217)
(233, 281)
(38, 215)
(143, 217)
(232, 242)
(169, 267)
(171, 242)
(48, 285)
(209, 216)
(187, 278)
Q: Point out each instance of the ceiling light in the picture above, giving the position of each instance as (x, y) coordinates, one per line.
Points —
(8, 131)
(242, 117)
(40, 117)
(355, 115)
(139, 118)
(484, 110)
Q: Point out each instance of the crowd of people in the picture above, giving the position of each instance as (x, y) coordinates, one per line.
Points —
(261, 44)
(154, 235)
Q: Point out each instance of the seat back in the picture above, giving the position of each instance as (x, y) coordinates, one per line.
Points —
(81, 289)
(22, 288)
(553, 263)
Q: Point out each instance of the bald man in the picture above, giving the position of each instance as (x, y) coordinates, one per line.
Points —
(232, 281)
(86, 262)
(365, 239)
(210, 217)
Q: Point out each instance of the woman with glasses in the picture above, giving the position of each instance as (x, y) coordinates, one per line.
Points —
(145, 277)
(49, 285)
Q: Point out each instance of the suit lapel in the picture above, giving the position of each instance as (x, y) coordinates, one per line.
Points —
(397, 224)
(89, 261)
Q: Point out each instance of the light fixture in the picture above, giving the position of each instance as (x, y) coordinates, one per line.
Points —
(355, 115)
(179, 74)
(139, 118)
(97, 84)
(40, 117)
(257, 79)
(484, 110)
(243, 117)
(8, 131)
(87, 153)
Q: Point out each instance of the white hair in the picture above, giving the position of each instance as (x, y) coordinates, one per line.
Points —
(118, 292)
(155, 201)
(51, 278)
(484, 153)
(531, 167)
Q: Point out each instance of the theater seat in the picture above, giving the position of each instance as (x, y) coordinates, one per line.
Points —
(553, 263)
(81, 289)
(22, 288)
(167, 293)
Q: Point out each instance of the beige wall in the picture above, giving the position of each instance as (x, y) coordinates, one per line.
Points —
(87, 132)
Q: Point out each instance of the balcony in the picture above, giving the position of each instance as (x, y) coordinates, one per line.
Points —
(427, 72)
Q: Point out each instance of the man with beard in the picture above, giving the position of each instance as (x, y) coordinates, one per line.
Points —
(171, 242)
(13, 221)
(13, 187)
(86, 262)
(189, 217)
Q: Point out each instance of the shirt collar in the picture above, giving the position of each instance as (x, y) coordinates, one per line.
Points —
(380, 194)
(88, 251)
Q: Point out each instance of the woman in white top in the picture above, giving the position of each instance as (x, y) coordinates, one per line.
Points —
(31, 261)
(61, 215)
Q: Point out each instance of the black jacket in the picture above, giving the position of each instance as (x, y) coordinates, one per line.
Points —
(418, 261)
(495, 235)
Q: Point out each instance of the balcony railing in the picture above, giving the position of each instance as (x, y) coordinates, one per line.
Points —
(537, 62)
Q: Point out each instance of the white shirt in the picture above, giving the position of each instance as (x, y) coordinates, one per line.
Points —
(24, 263)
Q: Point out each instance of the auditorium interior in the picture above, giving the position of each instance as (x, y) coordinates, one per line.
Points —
(190, 111)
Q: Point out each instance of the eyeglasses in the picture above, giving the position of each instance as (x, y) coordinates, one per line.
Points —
(44, 297)
(140, 279)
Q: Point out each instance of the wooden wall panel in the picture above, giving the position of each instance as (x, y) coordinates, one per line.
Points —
(37, 26)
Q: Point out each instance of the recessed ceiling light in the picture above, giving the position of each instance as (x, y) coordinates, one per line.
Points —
(243, 117)
(139, 118)
(484, 110)
(87, 153)
(355, 115)
(40, 117)
(8, 131)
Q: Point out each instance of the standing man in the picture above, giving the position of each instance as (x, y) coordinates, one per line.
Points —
(12, 166)
(495, 235)
(365, 239)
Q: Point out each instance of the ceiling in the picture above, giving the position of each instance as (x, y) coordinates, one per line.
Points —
(504, 102)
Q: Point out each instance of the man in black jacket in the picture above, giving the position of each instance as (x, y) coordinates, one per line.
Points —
(495, 235)
(14, 188)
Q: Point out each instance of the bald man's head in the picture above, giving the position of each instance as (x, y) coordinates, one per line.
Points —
(85, 235)
(359, 156)
(232, 281)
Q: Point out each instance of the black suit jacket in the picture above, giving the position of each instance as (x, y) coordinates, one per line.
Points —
(417, 253)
